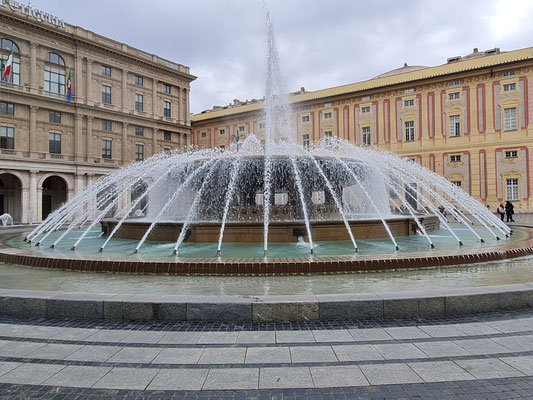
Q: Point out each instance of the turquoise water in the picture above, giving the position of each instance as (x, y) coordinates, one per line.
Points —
(475, 275)
(123, 247)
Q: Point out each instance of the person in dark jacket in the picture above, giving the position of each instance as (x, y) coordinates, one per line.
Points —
(509, 211)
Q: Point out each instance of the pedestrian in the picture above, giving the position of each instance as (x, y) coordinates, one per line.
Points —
(442, 211)
(509, 210)
(501, 211)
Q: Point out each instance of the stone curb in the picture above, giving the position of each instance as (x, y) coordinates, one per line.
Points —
(20, 303)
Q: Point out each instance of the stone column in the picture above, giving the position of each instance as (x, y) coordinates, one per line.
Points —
(88, 138)
(154, 98)
(32, 139)
(33, 200)
(78, 130)
(89, 82)
(78, 75)
(124, 143)
(34, 81)
(187, 112)
(78, 183)
(26, 207)
(180, 114)
(92, 201)
(154, 141)
(124, 90)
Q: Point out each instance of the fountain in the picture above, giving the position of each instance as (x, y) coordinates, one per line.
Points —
(330, 199)
(267, 207)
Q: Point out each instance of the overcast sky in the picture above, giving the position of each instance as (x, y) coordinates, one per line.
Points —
(321, 43)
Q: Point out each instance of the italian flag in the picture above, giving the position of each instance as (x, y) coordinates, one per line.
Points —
(8, 66)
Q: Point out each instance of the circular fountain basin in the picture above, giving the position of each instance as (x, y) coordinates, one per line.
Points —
(284, 258)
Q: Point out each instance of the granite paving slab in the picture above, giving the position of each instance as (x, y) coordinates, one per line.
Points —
(127, 378)
(440, 371)
(341, 376)
(488, 368)
(179, 379)
(231, 379)
(285, 377)
(77, 376)
(300, 354)
(387, 374)
(31, 374)
(268, 355)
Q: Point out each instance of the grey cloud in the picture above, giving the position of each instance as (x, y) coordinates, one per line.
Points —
(322, 43)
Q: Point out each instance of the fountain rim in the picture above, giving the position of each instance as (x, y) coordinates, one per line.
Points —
(261, 266)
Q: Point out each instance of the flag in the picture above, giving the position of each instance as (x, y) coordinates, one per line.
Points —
(69, 88)
(8, 65)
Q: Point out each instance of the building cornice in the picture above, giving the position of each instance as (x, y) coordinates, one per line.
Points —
(75, 36)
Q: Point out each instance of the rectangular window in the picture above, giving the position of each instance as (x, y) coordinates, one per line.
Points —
(454, 96)
(455, 158)
(139, 130)
(107, 125)
(167, 151)
(305, 141)
(453, 83)
(509, 119)
(457, 183)
(365, 110)
(106, 148)
(7, 108)
(455, 125)
(166, 108)
(166, 88)
(139, 100)
(409, 103)
(222, 147)
(106, 71)
(328, 134)
(106, 94)
(512, 189)
(139, 152)
(409, 131)
(327, 115)
(204, 134)
(508, 73)
(366, 136)
(511, 154)
(241, 128)
(305, 118)
(262, 125)
(509, 87)
(139, 80)
(7, 137)
(54, 143)
(221, 131)
(54, 116)
(167, 135)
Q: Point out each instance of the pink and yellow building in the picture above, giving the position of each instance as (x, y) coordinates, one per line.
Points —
(469, 120)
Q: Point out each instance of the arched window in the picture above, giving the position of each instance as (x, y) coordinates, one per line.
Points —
(54, 74)
(5, 48)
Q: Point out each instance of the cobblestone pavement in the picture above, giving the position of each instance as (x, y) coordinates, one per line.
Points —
(487, 356)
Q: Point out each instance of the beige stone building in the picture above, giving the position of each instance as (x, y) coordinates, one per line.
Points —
(469, 120)
(126, 105)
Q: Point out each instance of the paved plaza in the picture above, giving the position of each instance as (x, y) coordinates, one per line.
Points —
(488, 356)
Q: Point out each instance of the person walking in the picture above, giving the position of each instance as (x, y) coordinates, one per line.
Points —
(501, 211)
(509, 210)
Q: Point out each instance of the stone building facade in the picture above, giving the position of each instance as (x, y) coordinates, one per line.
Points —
(468, 120)
(126, 105)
